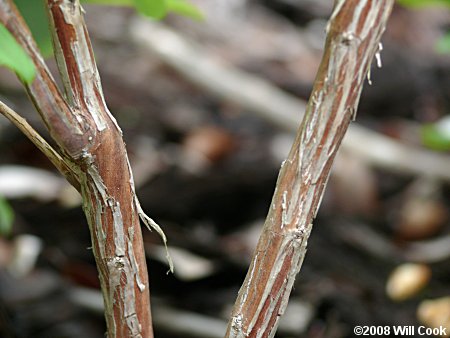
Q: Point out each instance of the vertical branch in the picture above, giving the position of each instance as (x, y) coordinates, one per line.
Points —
(92, 149)
(107, 185)
(76, 63)
(353, 35)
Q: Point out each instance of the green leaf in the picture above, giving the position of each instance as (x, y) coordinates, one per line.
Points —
(185, 8)
(6, 217)
(156, 9)
(110, 2)
(35, 15)
(437, 135)
(14, 57)
(443, 44)
(423, 3)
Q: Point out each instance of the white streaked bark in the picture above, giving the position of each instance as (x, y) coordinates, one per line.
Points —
(353, 36)
(109, 199)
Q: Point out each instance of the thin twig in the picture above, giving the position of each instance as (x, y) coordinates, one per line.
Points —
(41, 144)
(280, 108)
(168, 319)
(374, 243)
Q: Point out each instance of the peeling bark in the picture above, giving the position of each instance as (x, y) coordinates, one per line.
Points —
(92, 153)
(353, 36)
(109, 199)
(66, 126)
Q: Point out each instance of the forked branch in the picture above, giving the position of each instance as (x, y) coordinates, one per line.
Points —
(107, 187)
(92, 147)
(353, 37)
(66, 126)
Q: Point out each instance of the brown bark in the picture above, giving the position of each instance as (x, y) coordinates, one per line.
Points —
(96, 161)
(353, 35)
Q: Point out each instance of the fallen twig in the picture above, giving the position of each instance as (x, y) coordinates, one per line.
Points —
(370, 241)
(58, 161)
(283, 110)
(167, 318)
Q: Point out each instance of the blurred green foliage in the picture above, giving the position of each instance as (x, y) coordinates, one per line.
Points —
(37, 19)
(156, 8)
(437, 135)
(184, 8)
(152, 8)
(6, 217)
(443, 44)
(14, 57)
(423, 3)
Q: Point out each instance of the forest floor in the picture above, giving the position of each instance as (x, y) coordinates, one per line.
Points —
(206, 164)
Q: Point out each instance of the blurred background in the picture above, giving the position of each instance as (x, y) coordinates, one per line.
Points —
(207, 128)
